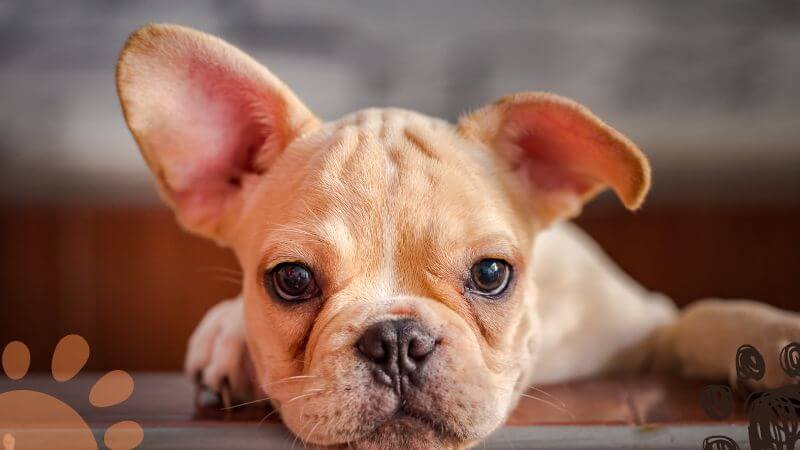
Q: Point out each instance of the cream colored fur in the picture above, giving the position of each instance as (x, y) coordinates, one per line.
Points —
(390, 208)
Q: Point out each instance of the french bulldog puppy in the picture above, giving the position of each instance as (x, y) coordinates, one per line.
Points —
(405, 279)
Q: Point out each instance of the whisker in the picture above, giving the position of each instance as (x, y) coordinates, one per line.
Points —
(564, 410)
(561, 402)
(314, 428)
(288, 379)
(266, 416)
(329, 426)
(296, 436)
(302, 396)
(294, 377)
(246, 403)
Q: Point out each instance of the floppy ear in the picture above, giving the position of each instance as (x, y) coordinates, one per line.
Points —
(208, 120)
(562, 151)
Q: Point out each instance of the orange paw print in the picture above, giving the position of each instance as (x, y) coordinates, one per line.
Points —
(31, 419)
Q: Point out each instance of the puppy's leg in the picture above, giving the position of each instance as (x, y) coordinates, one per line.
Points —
(704, 341)
(217, 351)
(594, 317)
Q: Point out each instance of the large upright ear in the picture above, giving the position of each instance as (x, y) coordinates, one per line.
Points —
(563, 152)
(208, 120)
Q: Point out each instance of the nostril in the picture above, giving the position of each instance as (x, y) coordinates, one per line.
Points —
(377, 342)
(420, 347)
(374, 350)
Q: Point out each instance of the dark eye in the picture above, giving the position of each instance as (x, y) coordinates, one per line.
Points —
(490, 276)
(292, 282)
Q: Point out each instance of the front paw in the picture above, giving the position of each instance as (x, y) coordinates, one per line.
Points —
(216, 357)
(771, 362)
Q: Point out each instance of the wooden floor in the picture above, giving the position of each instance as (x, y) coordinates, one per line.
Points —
(649, 412)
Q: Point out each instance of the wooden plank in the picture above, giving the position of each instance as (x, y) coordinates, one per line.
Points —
(640, 412)
(249, 436)
(660, 401)
(647, 400)
(599, 402)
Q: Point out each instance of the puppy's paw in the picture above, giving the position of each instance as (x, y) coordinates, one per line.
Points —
(770, 363)
(216, 357)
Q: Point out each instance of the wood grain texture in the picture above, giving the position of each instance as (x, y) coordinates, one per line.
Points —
(161, 398)
(642, 412)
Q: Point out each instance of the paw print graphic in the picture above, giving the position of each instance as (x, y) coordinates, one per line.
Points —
(773, 414)
(32, 419)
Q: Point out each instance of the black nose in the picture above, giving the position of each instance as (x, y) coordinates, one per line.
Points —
(397, 350)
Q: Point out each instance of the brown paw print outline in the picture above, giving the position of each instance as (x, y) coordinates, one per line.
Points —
(773, 414)
(32, 419)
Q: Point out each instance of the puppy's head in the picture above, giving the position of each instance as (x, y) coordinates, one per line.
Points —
(386, 255)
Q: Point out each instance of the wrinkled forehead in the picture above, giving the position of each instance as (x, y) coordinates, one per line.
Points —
(383, 182)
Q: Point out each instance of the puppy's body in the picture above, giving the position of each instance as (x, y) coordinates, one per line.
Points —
(591, 311)
(433, 292)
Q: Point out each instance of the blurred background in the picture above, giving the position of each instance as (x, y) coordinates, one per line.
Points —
(709, 90)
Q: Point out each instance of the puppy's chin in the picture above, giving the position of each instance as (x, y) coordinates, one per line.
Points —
(386, 421)
(407, 431)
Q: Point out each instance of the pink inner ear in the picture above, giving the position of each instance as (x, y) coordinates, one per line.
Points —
(548, 168)
(216, 130)
(567, 152)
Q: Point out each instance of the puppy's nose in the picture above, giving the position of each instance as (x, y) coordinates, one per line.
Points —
(397, 349)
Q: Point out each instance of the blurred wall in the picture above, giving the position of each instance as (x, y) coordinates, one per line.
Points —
(708, 89)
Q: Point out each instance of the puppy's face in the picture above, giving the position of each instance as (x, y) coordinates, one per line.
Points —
(385, 262)
(389, 298)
